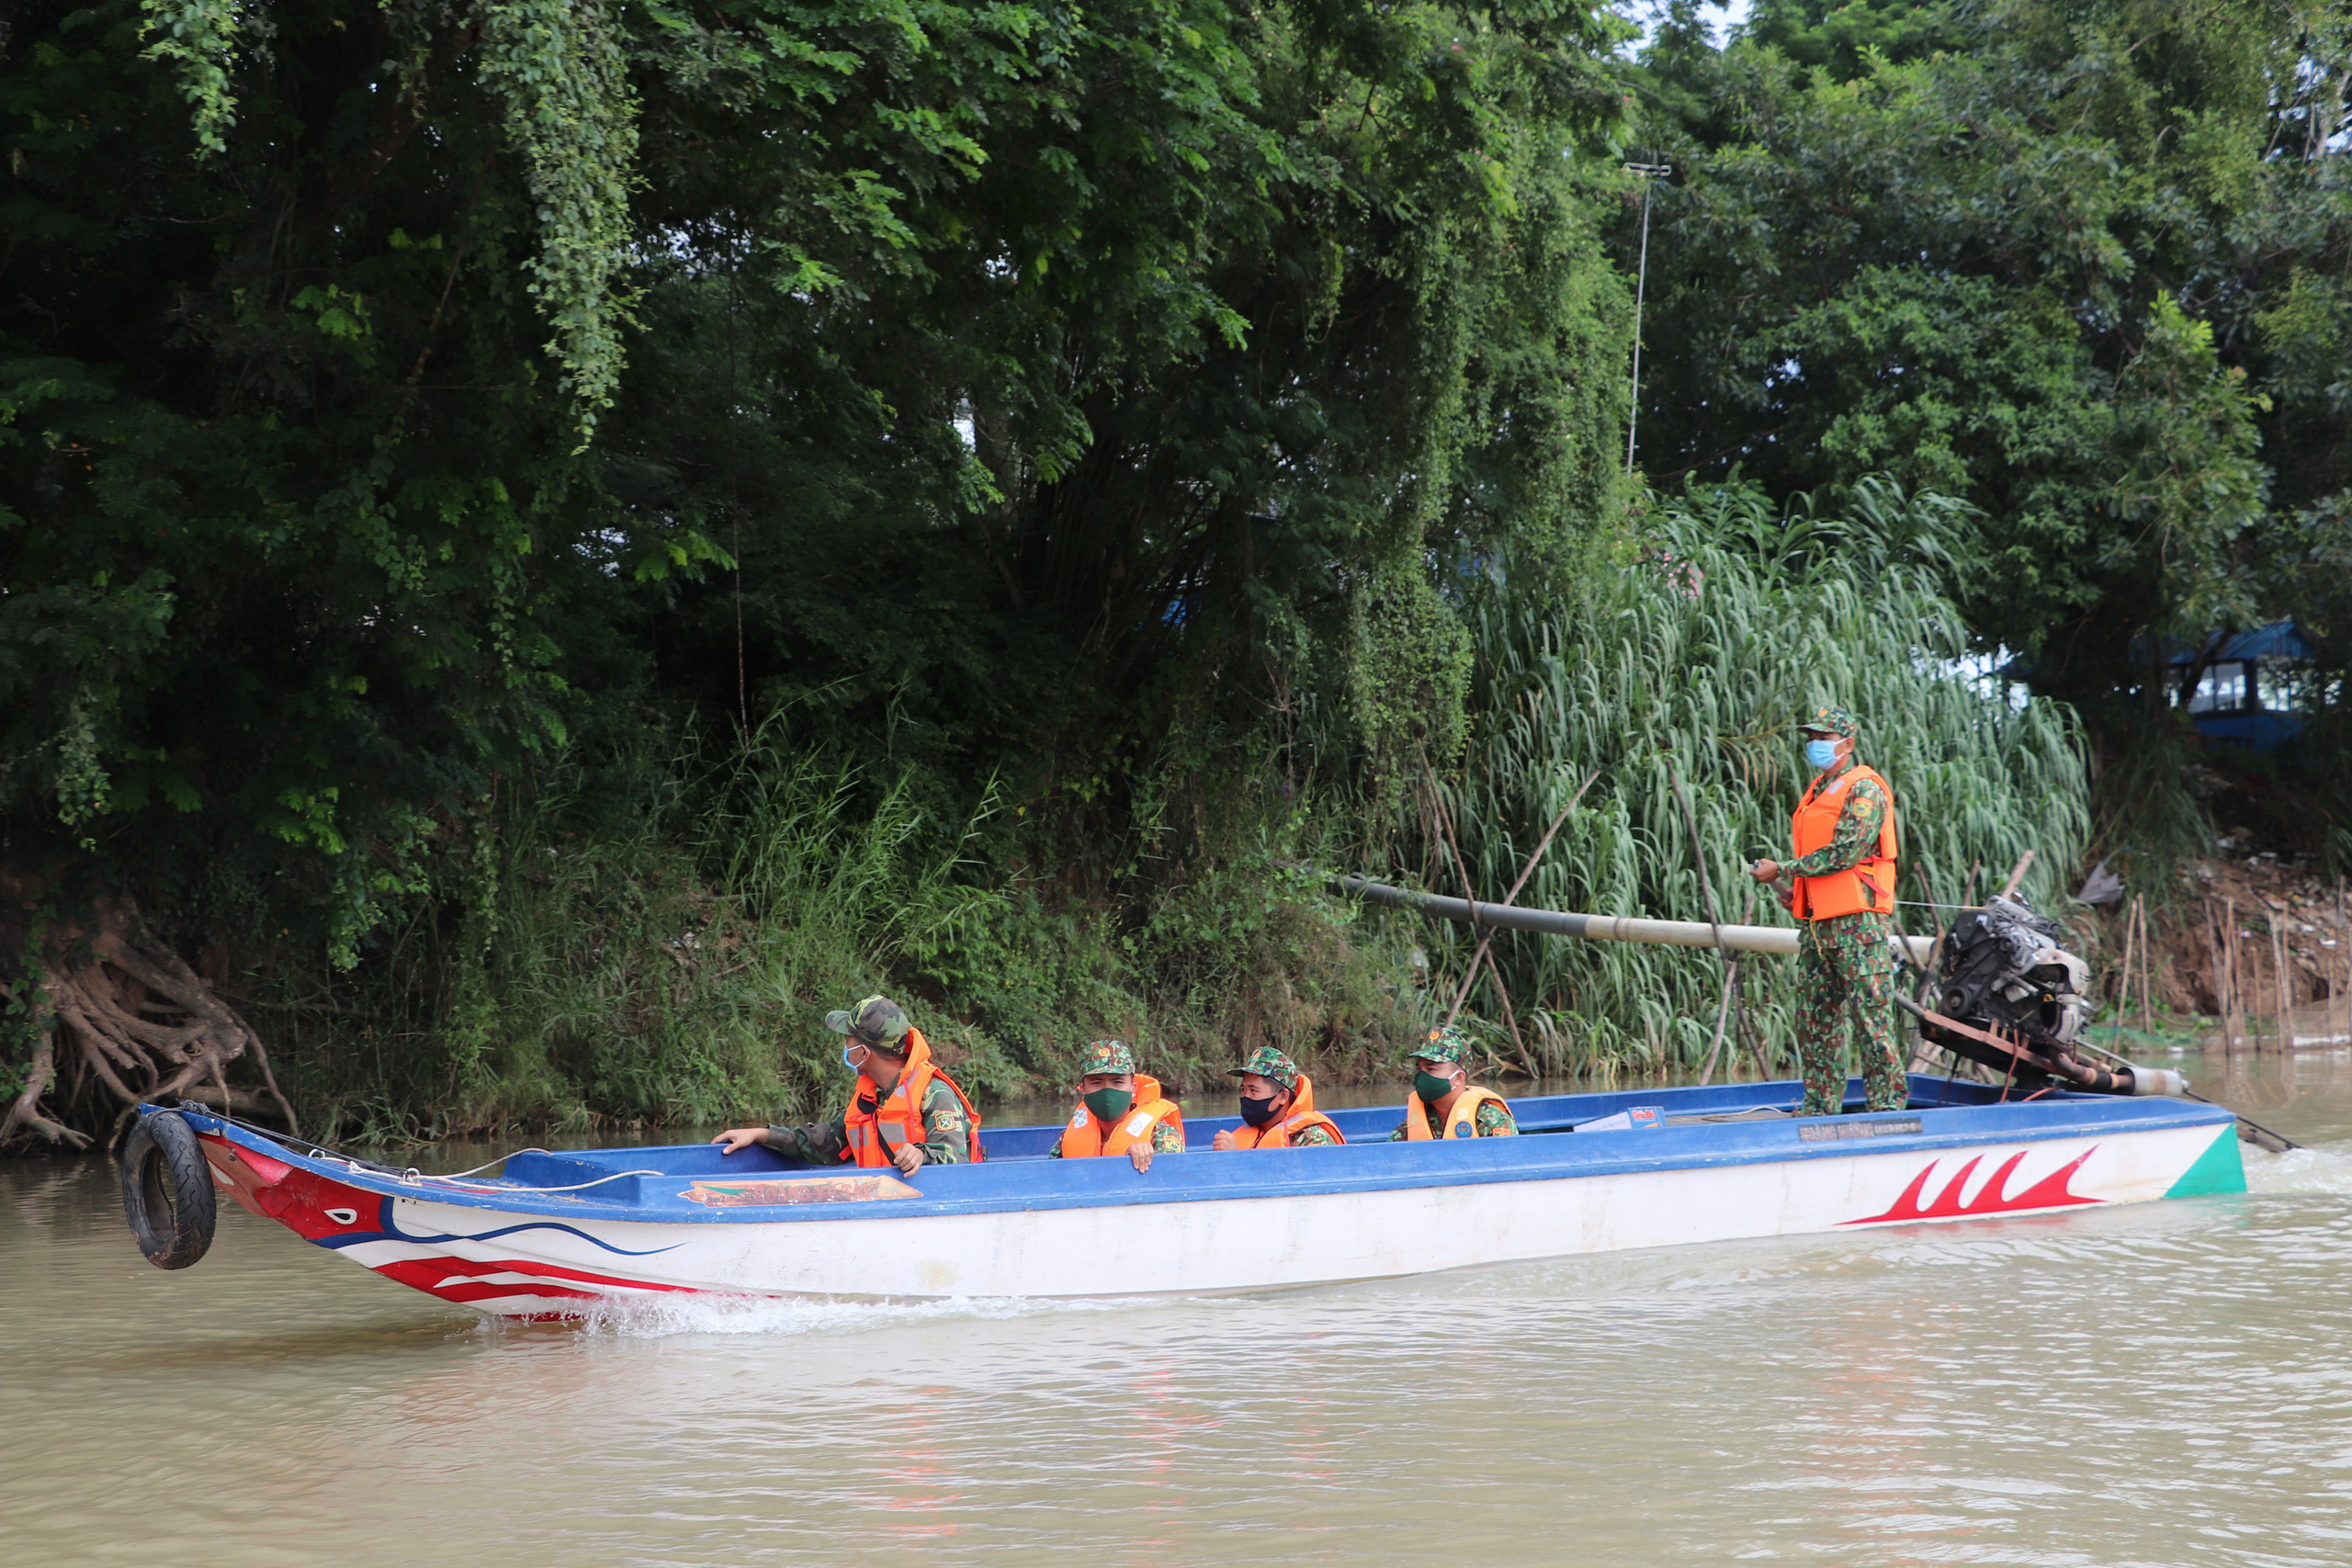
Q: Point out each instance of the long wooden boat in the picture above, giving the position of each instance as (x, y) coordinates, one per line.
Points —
(562, 1234)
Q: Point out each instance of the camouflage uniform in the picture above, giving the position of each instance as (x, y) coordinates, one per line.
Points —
(1268, 1063)
(1492, 1119)
(1113, 1056)
(1844, 967)
(947, 1132)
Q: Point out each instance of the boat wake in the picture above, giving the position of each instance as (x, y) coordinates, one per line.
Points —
(664, 1316)
(2326, 1171)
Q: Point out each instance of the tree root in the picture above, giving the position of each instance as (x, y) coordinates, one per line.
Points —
(134, 1023)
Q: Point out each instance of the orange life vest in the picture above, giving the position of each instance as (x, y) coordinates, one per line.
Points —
(1084, 1137)
(879, 1124)
(1461, 1121)
(1871, 885)
(1301, 1116)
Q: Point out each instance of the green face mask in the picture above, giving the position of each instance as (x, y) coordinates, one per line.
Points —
(1110, 1104)
(1431, 1088)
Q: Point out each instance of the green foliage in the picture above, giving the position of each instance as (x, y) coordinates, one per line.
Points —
(561, 67)
(1693, 660)
(2067, 262)
(1129, 443)
(1408, 678)
(198, 37)
(1847, 38)
(659, 941)
(994, 363)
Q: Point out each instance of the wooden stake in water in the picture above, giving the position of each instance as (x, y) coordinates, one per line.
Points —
(2230, 974)
(2283, 982)
(2344, 951)
(2213, 970)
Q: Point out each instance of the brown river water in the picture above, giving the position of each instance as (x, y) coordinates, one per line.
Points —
(2169, 1383)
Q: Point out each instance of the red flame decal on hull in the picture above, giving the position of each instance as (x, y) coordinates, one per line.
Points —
(456, 1279)
(2049, 1192)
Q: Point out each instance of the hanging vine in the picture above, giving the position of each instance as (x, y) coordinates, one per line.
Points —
(560, 70)
(197, 38)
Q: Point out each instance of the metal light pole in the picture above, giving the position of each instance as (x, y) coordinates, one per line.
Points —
(1652, 173)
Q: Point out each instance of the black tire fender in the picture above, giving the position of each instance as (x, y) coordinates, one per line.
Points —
(167, 1190)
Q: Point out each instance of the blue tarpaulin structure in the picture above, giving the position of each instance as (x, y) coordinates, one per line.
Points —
(2243, 698)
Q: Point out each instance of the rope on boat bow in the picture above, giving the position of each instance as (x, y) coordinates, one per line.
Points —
(409, 1175)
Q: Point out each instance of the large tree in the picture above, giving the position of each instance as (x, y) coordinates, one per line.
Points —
(2083, 264)
(391, 391)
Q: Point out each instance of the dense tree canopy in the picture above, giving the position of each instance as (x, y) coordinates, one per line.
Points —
(404, 407)
(2085, 265)
(384, 384)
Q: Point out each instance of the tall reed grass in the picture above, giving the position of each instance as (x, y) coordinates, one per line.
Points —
(1695, 658)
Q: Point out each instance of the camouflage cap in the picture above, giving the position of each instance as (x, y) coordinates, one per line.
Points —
(1267, 1062)
(876, 1020)
(1107, 1056)
(1445, 1043)
(1832, 721)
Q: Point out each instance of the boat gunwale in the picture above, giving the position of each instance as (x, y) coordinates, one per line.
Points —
(1354, 1168)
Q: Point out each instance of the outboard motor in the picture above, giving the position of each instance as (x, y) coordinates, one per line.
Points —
(2017, 1001)
(2002, 968)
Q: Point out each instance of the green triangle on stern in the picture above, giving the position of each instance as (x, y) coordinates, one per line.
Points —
(2218, 1169)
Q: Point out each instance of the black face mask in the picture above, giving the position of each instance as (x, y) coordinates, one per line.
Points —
(1258, 1113)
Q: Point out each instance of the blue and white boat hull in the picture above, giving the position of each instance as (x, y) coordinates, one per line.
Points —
(559, 1234)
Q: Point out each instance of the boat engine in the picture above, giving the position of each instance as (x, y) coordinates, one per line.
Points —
(2016, 1001)
(2004, 969)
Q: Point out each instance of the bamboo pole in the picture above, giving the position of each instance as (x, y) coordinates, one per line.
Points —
(2017, 875)
(1782, 939)
(1525, 871)
(2147, 969)
(2123, 989)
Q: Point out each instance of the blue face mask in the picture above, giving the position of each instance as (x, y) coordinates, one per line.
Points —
(1820, 753)
(853, 1066)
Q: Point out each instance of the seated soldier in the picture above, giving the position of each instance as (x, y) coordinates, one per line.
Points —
(1141, 1122)
(1277, 1106)
(1443, 1096)
(903, 1112)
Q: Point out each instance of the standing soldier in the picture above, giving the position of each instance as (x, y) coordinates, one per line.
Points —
(902, 1112)
(1841, 890)
(1119, 1111)
(1445, 1102)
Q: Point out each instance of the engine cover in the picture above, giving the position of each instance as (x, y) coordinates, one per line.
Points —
(2004, 969)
